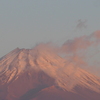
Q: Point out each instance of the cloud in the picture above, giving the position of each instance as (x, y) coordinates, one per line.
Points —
(83, 51)
(79, 51)
(82, 43)
(81, 24)
(96, 34)
(76, 44)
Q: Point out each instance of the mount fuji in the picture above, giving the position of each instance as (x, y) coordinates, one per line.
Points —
(41, 74)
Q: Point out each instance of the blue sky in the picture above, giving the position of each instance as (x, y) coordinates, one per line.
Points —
(24, 23)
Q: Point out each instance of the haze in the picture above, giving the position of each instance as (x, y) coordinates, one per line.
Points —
(24, 23)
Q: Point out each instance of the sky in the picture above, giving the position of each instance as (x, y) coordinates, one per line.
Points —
(25, 23)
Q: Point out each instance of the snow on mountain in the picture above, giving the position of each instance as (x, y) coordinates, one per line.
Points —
(41, 58)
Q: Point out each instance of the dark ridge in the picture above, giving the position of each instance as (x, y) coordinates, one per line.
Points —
(32, 93)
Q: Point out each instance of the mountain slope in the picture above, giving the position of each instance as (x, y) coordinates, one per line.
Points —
(23, 71)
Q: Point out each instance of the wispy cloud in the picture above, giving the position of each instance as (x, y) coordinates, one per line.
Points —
(81, 24)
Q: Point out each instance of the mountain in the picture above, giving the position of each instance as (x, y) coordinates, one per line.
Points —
(41, 74)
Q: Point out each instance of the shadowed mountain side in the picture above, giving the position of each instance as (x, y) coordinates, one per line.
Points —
(3, 93)
(91, 95)
(30, 81)
(32, 93)
(52, 93)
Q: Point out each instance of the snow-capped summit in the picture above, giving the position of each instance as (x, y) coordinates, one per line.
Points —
(25, 69)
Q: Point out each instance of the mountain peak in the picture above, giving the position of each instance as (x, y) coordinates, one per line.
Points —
(67, 76)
